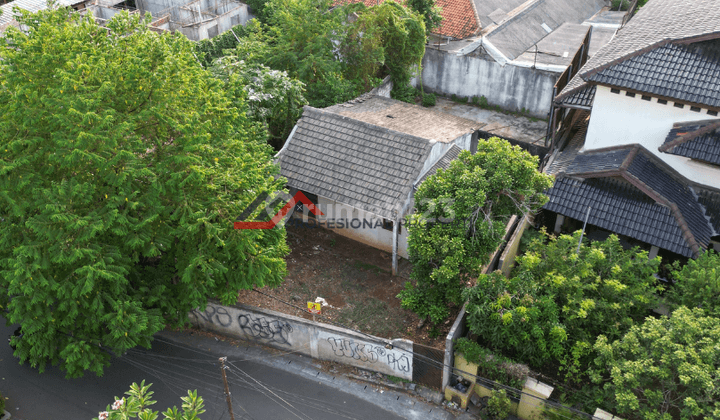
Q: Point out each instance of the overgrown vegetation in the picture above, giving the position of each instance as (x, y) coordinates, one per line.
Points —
(318, 45)
(492, 366)
(697, 284)
(559, 300)
(124, 165)
(460, 219)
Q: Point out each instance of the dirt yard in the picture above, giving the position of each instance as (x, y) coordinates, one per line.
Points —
(354, 279)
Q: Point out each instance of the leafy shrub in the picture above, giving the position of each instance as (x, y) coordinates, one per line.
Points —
(475, 101)
(666, 365)
(483, 102)
(453, 97)
(497, 368)
(558, 301)
(428, 99)
(620, 5)
(697, 284)
(498, 405)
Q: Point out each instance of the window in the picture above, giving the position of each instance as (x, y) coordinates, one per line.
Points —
(389, 225)
(613, 90)
(678, 105)
(713, 113)
(662, 101)
(695, 108)
(630, 94)
(646, 98)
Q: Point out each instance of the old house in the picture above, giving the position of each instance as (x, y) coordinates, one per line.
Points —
(638, 153)
(360, 161)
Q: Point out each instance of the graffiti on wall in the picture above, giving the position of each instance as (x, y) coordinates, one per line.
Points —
(369, 353)
(258, 327)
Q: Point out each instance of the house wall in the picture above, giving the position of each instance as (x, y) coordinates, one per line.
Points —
(314, 339)
(511, 87)
(617, 119)
(360, 231)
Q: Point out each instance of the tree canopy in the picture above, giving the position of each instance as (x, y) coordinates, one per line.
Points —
(664, 369)
(124, 164)
(460, 219)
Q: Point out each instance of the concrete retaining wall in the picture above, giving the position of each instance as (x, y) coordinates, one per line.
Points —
(510, 87)
(507, 259)
(319, 341)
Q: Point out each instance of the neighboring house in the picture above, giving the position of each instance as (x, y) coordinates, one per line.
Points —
(640, 143)
(361, 161)
(521, 50)
(197, 19)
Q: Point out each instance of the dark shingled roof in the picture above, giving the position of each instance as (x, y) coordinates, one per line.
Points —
(443, 163)
(619, 207)
(694, 139)
(353, 162)
(657, 23)
(684, 72)
(581, 98)
(710, 199)
(658, 181)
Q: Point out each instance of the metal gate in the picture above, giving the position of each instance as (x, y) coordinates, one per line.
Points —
(428, 365)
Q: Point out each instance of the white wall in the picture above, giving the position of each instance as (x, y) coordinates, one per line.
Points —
(376, 237)
(314, 339)
(617, 119)
(511, 87)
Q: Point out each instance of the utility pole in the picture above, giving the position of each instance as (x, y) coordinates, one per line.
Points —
(227, 390)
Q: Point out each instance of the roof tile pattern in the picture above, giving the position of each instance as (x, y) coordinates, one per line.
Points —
(443, 163)
(647, 171)
(675, 71)
(459, 19)
(619, 207)
(657, 23)
(696, 139)
(353, 162)
(580, 98)
(710, 199)
(659, 182)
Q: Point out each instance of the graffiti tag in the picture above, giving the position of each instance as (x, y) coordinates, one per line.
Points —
(349, 348)
(220, 314)
(401, 363)
(273, 331)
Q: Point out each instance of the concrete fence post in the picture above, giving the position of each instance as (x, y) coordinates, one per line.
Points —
(531, 405)
(604, 415)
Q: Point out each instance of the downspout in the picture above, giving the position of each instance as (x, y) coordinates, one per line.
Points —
(396, 226)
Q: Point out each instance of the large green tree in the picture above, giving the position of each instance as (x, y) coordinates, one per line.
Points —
(664, 369)
(460, 219)
(124, 164)
(697, 283)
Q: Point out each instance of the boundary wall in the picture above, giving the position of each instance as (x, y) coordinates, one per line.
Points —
(314, 339)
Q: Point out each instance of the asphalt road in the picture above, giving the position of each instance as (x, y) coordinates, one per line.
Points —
(173, 366)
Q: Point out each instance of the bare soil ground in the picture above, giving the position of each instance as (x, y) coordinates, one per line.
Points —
(355, 279)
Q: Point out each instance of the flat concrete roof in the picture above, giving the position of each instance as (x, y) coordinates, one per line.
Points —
(524, 129)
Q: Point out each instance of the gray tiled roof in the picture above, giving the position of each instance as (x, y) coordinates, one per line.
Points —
(694, 139)
(710, 199)
(660, 182)
(684, 72)
(581, 98)
(443, 163)
(353, 162)
(8, 16)
(619, 207)
(657, 23)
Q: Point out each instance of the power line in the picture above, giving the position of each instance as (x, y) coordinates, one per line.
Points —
(479, 379)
